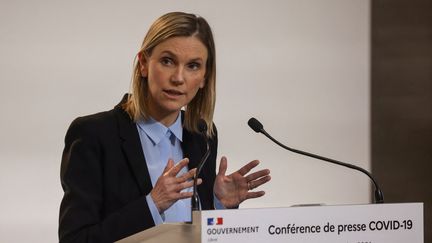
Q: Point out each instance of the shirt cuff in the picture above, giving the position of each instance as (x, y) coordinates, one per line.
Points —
(217, 203)
(157, 217)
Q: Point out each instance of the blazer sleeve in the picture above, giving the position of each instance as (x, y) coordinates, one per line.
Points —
(83, 217)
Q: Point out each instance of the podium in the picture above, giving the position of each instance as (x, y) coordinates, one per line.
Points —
(370, 223)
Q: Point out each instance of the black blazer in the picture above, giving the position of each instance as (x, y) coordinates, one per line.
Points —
(105, 178)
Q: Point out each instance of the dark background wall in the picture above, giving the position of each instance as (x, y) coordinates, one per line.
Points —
(402, 101)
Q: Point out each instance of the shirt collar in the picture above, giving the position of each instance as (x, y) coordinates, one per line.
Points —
(177, 129)
(156, 130)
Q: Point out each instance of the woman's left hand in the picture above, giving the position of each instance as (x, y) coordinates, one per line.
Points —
(233, 189)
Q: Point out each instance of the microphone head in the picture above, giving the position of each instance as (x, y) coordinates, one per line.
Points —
(202, 126)
(255, 125)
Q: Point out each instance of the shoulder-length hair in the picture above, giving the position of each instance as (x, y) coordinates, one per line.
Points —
(177, 24)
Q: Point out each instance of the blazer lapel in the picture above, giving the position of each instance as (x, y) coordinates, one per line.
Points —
(132, 149)
(191, 149)
(194, 147)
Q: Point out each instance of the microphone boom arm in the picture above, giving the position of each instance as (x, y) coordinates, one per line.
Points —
(195, 197)
(258, 127)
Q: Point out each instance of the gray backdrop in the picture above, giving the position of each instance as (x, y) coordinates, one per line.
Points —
(301, 67)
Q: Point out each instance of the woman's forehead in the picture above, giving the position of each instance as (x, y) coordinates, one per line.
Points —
(190, 47)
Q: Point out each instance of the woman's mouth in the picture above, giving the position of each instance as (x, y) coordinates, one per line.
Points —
(173, 92)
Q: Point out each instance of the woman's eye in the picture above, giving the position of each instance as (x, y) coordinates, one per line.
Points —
(166, 61)
(194, 65)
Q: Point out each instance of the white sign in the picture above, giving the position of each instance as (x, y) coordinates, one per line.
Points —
(372, 223)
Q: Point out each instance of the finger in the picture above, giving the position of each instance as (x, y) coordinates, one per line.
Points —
(223, 166)
(183, 195)
(248, 167)
(176, 169)
(188, 184)
(169, 165)
(255, 194)
(256, 183)
(187, 176)
(257, 175)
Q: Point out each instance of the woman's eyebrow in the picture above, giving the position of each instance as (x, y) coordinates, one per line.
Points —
(172, 54)
(168, 52)
(198, 59)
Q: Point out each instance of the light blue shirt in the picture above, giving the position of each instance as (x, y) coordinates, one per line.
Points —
(159, 144)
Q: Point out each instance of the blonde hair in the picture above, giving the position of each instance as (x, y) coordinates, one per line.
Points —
(176, 24)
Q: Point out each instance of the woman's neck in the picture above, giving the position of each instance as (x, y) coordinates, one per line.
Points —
(166, 119)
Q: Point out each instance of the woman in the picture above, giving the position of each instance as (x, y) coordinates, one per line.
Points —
(131, 168)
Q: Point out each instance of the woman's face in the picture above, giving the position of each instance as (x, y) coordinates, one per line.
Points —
(175, 71)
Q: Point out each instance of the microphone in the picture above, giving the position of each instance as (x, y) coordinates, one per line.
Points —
(258, 127)
(202, 128)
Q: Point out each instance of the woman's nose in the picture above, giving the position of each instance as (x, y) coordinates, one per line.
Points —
(178, 75)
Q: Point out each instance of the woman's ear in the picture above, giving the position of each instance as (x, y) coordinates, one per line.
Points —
(142, 59)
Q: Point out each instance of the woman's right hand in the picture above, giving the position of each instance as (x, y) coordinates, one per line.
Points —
(168, 188)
